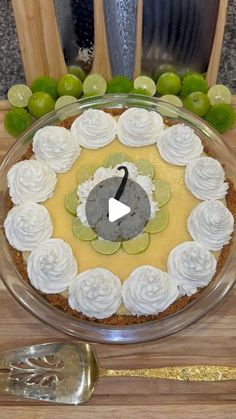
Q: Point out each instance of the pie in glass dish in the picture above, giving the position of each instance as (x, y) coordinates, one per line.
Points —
(161, 270)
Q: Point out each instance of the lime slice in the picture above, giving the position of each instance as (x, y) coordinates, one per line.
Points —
(137, 245)
(105, 247)
(64, 100)
(19, 95)
(162, 192)
(82, 232)
(72, 202)
(173, 100)
(146, 83)
(86, 172)
(94, 85)
(158, 223)
(116, 158)
(145, 167)
(219, 94)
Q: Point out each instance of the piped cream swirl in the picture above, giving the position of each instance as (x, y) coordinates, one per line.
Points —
(31, 180)
(179, 145)
(148, 290)
(192, 266)
(51, 266)
(55, 146)
(211, 224)
(204, 177)
(95, 293)
(94, 128)
(139, 127)
(28, 225)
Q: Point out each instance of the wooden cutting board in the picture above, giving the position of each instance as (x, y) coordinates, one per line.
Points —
(212, 340)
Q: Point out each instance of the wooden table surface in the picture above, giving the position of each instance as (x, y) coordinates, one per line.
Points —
(212, 340)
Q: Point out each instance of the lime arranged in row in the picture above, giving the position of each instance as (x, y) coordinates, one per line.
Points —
(46, 94)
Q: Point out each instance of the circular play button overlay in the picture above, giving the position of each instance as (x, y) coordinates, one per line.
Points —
(118, 209)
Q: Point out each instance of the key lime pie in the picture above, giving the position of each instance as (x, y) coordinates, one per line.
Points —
(163, 268)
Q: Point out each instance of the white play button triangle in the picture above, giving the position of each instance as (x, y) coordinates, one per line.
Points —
(117, 209)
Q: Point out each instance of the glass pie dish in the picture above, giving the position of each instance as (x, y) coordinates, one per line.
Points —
(153, 329)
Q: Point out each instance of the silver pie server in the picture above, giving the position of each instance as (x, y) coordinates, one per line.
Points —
(67, 372)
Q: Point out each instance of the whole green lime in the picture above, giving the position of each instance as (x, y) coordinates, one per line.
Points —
(77, 71)
(45, 84)
(168, 84)
(16, 121)
(221, 116)
(198, 103)
(40, 104)
(194, 82)
(119, 84)
(163, 68)
(69, 85)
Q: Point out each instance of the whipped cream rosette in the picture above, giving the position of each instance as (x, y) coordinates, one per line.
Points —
(148, 290)
(211, 224)
(51, 266)
(94, 129)
(138, 127)
(205, 178)
(179, 145)
(31, 180)
(95, 293)
(56, 146)
(27, 226)
(192, 266)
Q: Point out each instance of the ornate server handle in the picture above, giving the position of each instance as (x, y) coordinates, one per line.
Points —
(180, 373)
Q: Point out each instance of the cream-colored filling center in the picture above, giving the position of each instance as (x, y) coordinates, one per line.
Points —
(121, 263)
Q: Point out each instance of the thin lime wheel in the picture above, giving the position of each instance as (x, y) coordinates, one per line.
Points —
(173, 100)
(158, 223)
(86, 172)
(19, 95)
(145, 168)
(116, 158)
(82, 232)
(72, 202)
(162, 192)
(219, 94)
(94, 85)
(105, 247)
(64, 100)
(145, 83)
(137, 245)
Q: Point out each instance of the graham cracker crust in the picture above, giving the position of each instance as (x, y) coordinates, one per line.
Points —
(61, 303)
